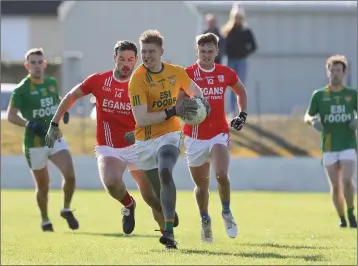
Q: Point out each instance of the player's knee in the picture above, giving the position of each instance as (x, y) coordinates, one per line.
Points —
(348, 181)
(111, 181)
(222, 176)
(69, 174)
(336, 189)
(42, 189)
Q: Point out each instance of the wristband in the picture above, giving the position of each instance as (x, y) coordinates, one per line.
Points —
(27, 123)
(243, 114)
(170, 112)
(53, 124)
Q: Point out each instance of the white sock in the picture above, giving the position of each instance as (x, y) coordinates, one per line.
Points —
(46, 222)
(66, 209)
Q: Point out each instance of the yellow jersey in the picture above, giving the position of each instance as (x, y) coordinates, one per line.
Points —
(159, 91)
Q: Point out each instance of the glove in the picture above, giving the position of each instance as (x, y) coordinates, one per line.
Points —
(53, 134)
(238, 121)
(206, 104)
(129, 137)
(187, 110)
(66, 117)
(353, 124)
(317, 125)
(38, 129)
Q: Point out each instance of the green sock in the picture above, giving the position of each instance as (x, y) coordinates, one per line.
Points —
(350, 211)
(168, 226)
(342, 217)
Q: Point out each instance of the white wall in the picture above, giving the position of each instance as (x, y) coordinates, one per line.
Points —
(14, 37)
(272, 174)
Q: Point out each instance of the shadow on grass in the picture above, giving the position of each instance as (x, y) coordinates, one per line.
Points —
(258, 255)
(256, 147)
(113, 234)
(273, 245)
(293, 149)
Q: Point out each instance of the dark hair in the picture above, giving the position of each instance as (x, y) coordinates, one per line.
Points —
(125, 46)
(207, 38)
(34, 51)
(151, 37)
(335, 60)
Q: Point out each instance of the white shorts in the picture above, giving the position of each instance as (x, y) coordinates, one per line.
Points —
(345, 155)
(147, 149)
(127, 155)
(37, 157)
(198, 150)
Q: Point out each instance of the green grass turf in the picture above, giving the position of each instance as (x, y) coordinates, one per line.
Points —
(275, 228)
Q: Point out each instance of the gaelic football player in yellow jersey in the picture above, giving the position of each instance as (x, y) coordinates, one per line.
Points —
(153, 89)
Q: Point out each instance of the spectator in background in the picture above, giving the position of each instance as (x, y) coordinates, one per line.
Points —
(212, 27)
(240, 44)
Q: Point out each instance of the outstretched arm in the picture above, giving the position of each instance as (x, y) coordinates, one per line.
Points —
(193, 89)
(70, 98)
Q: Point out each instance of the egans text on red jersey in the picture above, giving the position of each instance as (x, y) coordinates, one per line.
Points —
(213, 84)
(114, 113)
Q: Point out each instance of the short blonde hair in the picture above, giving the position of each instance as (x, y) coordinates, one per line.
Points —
(36, 51)
(337, 59)
(151, 37)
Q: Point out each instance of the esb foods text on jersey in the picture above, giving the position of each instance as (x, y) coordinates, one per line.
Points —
(47, 108)
(337, 114)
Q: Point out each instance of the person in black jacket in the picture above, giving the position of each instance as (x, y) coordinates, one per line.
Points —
(212, 27)
(240, 44)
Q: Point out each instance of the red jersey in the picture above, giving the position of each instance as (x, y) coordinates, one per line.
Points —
(114, 113)
(213, 84)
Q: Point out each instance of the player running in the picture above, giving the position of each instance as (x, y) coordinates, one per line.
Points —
(153, 90)
(332, 111)
(114, 118)
(210, 141)
(36, 98)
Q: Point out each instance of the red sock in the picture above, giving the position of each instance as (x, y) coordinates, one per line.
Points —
(127, 201)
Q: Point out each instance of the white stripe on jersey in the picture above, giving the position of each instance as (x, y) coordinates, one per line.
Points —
(107, 134)
(195, 131)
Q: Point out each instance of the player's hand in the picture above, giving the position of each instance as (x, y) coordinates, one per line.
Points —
(66, 117)
(53, 134)
(206, 104)
(353, 125)
(239, 121)
(188, 109)
(129, 137)
(317, 124)
(38, 129)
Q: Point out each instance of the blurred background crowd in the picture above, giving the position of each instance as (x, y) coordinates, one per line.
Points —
(278, 48)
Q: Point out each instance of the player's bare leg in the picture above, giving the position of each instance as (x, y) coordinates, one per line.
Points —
(111, 173)
(201, 178)
(347, 175)
(149, 196)
(42, 183)
(220, 158)
(333, 174)
(63, 161)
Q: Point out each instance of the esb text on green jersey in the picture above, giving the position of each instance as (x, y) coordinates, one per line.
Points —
(336, 109)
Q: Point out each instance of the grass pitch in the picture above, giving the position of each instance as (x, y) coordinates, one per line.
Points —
(275, 228)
